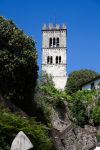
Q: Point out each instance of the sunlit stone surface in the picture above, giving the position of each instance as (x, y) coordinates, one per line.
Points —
(21, 142)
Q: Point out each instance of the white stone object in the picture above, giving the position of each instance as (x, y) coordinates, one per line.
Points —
(21, 142)
(97, 148)
(54, 46)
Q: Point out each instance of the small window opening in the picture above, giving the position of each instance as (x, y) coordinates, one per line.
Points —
(54, 42)
(51, 60)
(56, 59)
(59, 59)
(48, 60)
(50, 42)
(92, 86)
(57, 42)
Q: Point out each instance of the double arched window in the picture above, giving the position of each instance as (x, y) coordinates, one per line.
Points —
(49, 59)
(54, 42)
(58, 59)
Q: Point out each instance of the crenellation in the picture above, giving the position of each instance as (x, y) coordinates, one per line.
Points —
(64, 26)
(44, 27)
(57, 26)
(51, 27)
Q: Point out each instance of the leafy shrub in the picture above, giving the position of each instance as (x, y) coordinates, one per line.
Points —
(95, 115)
(11, 124)
(81, 106)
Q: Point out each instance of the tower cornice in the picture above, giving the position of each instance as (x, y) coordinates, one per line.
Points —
(54, 48)
(53, 30)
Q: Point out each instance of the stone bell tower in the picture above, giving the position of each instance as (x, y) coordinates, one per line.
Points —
(54, 53)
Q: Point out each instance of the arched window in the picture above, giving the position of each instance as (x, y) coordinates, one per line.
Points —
(54, 42)
(56, 59)
(50, 42)
(57, 42)
(59, 59)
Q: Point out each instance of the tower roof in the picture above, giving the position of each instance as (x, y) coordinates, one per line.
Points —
(54, 27)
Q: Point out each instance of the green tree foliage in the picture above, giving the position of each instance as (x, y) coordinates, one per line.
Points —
(11, 124)
(18, 65)
(81, 105)
(95, 111)
(77, 78)
(95, 115)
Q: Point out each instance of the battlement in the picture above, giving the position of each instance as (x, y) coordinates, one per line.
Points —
(54, 27)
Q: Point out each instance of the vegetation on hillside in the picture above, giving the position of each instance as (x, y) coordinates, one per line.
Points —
(47, 97)
(18, 78)
(11, 124)
(84, 105)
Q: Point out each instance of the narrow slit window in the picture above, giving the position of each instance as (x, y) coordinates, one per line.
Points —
(59, 59)
(54, 42)
(50, 42)
(57, 42)
(48, 60)
(56, 59)
(51, 60)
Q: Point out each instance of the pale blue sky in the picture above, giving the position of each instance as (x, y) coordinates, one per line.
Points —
(83, 22)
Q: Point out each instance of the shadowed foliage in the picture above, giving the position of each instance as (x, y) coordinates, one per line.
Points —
(18, 65)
